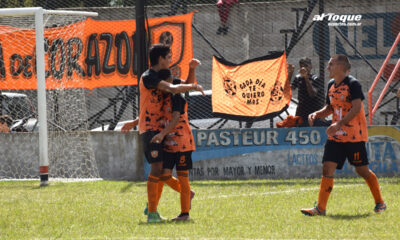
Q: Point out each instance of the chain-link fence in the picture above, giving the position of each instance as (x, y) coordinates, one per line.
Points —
(69, 152)
(238, 31)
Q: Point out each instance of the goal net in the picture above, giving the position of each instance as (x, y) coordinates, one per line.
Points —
(64, 150)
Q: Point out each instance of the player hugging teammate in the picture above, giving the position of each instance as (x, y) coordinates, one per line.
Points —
(164, 130)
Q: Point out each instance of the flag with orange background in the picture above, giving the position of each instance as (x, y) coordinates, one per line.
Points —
(90, 54)
(255, 89)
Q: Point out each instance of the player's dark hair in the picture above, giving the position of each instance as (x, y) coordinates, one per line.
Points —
(164, 74)
(344, 60)
(157, 51)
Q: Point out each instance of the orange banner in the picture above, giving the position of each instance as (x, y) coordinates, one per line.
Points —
(89, 54)
(255, 89)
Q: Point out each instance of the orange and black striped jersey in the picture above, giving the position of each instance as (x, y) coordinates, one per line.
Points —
(340, 98)
(151, 115)
(180, 139)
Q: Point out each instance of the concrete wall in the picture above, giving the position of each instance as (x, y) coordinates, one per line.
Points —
(115, 156)
(220, 154)
(119, 156)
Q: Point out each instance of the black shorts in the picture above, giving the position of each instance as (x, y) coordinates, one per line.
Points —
(152, 151)
(337, 152)
(182, 160)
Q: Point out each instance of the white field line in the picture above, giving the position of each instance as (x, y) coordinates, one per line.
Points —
(272, 193)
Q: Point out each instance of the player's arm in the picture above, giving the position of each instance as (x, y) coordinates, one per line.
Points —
(179, 88)
(322, 113)
(355, 109)
(192, 69)
(129, 125)
(170, 126)
(178, 107)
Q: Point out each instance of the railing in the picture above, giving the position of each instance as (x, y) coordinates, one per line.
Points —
(371, 111)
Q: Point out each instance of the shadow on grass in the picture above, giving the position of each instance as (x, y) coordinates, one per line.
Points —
(144, 223)
(127, 187)
(25, 187)
(348, 216)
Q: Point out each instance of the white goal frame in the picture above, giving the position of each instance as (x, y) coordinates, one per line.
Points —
(38, 13)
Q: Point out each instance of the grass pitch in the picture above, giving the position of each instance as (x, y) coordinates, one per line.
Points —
(255, 209)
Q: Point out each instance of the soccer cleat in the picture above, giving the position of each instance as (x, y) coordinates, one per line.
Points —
(191, 197)
(313, 211)
(154, 217)
(380, 207)
(182, 217)
(146, 209)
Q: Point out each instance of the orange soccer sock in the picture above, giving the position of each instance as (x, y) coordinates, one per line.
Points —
(324, 192)
(152, 193)
(183, 177)
(373, 184)
(171, 181)
(159, 190)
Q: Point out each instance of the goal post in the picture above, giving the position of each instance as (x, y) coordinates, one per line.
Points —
(39, 15)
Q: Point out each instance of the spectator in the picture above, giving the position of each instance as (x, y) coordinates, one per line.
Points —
(5, 123)
(223, 11)
(398, 93)
(310, 91)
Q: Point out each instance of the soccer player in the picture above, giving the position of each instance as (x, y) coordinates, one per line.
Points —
(151, 115)
(175, 105)
(178, 147)
(346, 135)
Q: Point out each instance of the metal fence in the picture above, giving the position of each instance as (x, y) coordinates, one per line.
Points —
(238, 31)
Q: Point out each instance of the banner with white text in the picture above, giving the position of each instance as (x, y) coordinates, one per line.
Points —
(102, 55)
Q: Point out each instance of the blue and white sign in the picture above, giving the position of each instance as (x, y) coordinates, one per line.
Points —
(282, 153)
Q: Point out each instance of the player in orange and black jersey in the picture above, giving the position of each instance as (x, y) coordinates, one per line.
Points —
(178, 147)
(151, 116)
(346, 135)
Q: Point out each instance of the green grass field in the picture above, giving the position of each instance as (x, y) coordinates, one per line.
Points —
(256, 209)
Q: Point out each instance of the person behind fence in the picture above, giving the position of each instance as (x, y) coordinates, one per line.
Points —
(346, 135)
(310, 91)
(5, 123)
(224, 7)
(398, 93)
